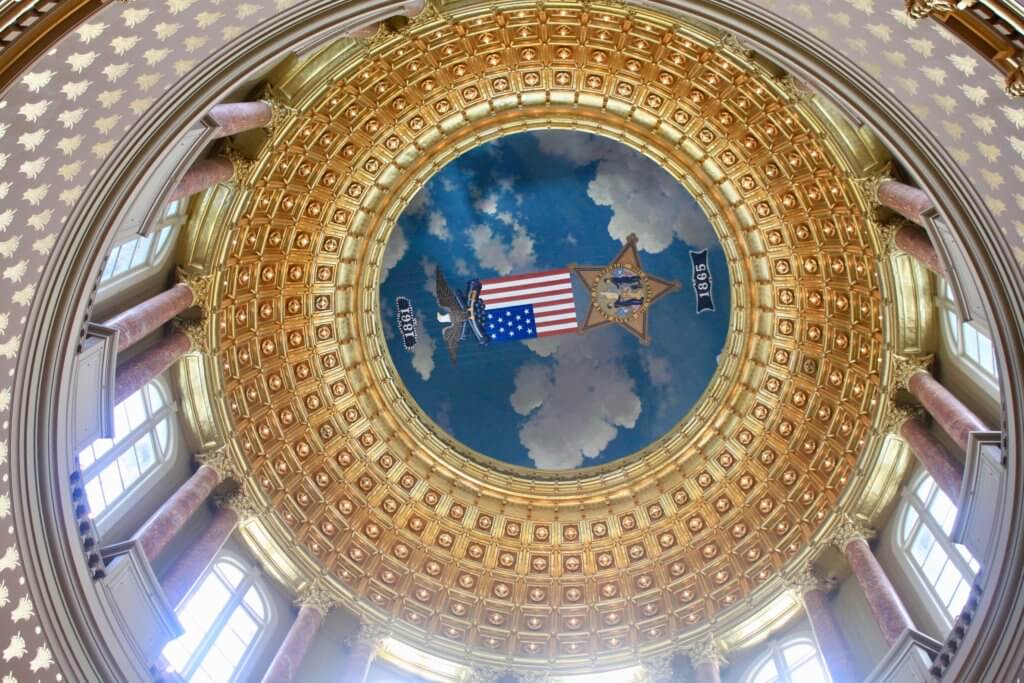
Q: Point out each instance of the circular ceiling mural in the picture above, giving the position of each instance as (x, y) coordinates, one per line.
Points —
(555, 299)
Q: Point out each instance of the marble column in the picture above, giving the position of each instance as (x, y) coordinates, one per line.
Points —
(143, 368)
(707, 661)
(915, 241)
(160, 529)
(238, 117)
(203, 174)
(290, 654)
(949, 412)
(831, 643)
(180, 578)
(362, 653)
(944, 468)
(906, 200)
(890, 614)
(148, 316)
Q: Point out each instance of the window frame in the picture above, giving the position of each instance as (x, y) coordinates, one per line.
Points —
(953, 335)
(777, 655)
(106, 518)
(174, 215)
(251, 575)
(910, 501)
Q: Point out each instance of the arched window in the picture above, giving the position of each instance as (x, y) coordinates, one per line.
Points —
(143, 435)
(970, 343)
(223, 617)
(943, 569)
(795, 660)
(130, 259)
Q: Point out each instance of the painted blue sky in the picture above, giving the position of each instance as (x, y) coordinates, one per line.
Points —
(537, 201)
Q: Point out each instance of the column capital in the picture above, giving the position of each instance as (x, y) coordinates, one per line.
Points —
(897, 415)
(485, 674)
(849, 530)
(870, 184)
(794, 91)
(370, 635)
(242, 166)
(220, 461)
(706, 651)
(201, 285)
(730, 42)
(244, 504)
(905, 367)
(887, 232)
(318, 596)
(279, 111)
(197, 332)
(805, 579)
(658, 667)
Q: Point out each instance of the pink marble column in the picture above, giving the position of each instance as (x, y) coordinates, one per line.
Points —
(289, 655)
(946, 470)
(367, 31)
(358, 662)
(890, 614)
(151, 363)
(954, 417)
(238, 117)
(160, 529)
(707, 672)
(830, 638)
(908, 201)
(915, 241)
(180, 578)
(203, 174)
(146, 317)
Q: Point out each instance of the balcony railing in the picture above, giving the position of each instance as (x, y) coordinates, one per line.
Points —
(994, 28)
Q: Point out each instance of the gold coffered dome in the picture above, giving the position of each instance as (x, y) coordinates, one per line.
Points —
(403, 523)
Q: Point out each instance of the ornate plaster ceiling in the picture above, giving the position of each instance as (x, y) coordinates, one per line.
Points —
(487, 560)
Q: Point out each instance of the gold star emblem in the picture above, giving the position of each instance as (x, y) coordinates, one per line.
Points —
(621, 292)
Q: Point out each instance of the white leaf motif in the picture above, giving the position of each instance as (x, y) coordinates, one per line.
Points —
(42, 660)
(15, 649)
(10, 559)
(24, 611)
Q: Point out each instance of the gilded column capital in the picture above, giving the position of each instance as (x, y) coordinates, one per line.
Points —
(484, 674)
(220, 461)
(371, 635)
(197, 332)
(706, 651)
(793, 90)
(242, 502)
(658, 667)
(905, 367)
(279, 111)
(849, 530)
(730, 43)
(887, 236)
(532, 677)
(1014, 86)
(804, 580)
(870, 184)
(895, 417)
(242, 166)
(201, 285)
(317, 595)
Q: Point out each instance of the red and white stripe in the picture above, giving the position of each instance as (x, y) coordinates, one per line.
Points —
(550, 293)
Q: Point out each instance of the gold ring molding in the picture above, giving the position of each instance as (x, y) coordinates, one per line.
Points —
(500, 564)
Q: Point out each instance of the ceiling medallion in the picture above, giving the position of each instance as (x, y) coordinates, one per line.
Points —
(492, 563)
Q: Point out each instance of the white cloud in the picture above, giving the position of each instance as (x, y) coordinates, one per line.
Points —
(576, 406)
(423, 352)
(644, 198)
(658, 369)
(437, 226)
(488, 204)
(503, 256)
(394, 251)
(448, 184)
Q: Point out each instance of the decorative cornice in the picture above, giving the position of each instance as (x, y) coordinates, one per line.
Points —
(849, 530)
(220, 460)
(706, 651)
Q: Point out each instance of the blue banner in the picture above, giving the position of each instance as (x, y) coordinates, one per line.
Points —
(406, 322)
(702, 281)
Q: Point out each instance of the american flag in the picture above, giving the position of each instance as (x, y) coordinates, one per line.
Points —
(529, 305)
